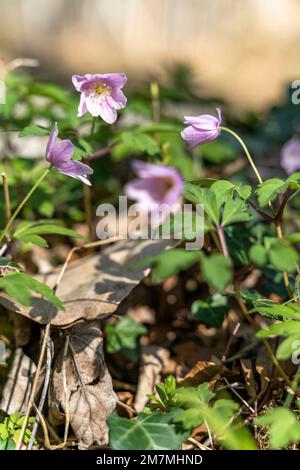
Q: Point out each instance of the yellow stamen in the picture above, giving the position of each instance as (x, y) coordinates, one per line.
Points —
(103, 88)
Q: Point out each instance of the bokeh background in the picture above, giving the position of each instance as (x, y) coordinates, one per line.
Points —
(244, 51)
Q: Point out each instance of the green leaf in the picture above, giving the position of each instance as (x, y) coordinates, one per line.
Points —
(34, 239)
(44, 229)
(140, 143)
(258, 254)
(20, 285)
(268, 190)
(283, 257)
(34, 130)
(277, 311)
(216, 270)
(190, 397)
(7, 444)
(124, 335)
(197, 409)
(284, 427)
(235, 210)
(212, 311)
(147, 432)
(170, 262)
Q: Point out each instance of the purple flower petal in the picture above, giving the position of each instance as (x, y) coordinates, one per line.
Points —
(107, 113)
(51, 141)
(290, 155)
(158, 188)
(195, 137)
(82, 108)
(201, 129)
(117, 99)
(61, 152)
(115, 80)
(74, 168)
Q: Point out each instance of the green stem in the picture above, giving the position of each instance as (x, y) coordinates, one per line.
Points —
(237, 137)
(260, 180)
(291, 393)
(22, 204)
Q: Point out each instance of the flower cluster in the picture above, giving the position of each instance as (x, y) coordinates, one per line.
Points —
(157, 184)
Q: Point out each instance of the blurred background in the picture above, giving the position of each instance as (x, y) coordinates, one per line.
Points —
(244, 51)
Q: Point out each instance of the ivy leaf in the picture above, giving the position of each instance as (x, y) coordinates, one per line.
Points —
(7, 444)
(216, 270)
(147, 432)
(284, 428)
(211, 311)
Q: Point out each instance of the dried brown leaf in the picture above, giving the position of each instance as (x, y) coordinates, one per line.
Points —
(93, 286)
(90, 395)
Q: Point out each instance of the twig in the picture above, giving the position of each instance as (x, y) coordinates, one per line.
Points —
(44, 391)
(198, 444)
(239, 396)
(34, 386)
(209, 434)
(47, 443)
(100, 153)
(229, 343)
(126, 407)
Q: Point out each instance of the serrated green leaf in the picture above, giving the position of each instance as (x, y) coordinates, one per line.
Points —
(284, 427)
(268, 190)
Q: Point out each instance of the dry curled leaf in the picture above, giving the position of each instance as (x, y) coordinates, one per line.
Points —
(18, 385)
(93, 286)
(90, 395)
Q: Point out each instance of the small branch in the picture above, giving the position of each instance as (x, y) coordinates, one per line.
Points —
(264, 215)
(100, 153)
(44, 392)
(285, 197)
(34, 387)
